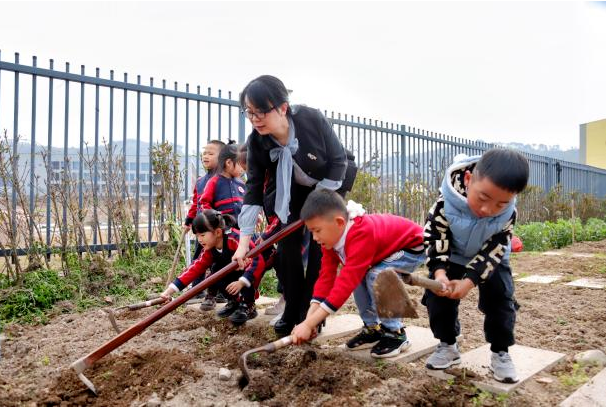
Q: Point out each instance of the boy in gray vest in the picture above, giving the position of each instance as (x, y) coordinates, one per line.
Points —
(468, 236)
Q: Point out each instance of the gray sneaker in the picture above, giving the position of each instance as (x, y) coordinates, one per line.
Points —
(444, 356)
(502, 367)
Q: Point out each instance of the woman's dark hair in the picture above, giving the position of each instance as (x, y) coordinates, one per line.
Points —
(242, 154)
(210, 220)
(506, 168)
(265, 92)
(228, 152)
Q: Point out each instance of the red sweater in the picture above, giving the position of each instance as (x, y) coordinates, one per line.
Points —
(371, 239)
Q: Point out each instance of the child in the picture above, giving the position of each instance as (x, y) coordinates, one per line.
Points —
(225, 190)
(468, 234)
(219, 242)
(209, 159)
(365, 245)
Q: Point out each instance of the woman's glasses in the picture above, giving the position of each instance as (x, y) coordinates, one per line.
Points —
(259, 115)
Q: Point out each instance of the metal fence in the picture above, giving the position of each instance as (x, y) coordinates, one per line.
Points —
(121, 111)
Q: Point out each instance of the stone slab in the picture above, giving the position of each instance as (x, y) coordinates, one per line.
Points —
(583, 255)
(422, 343)
(590, 394)
(540, 279)
(266, 301)
(528, 362)
(552, 253)
(338, 326)
(588, 283)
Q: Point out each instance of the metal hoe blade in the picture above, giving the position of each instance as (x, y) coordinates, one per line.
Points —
(79, 367)
(392, 300)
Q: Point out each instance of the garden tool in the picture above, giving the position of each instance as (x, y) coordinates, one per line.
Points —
(269, 348)
(176, 256)
(87, 361)
(392, 300)
(135, 306)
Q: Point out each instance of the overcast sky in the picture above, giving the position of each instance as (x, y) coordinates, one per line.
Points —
(498, 71)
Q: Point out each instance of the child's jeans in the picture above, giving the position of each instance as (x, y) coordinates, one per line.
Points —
(363, 294)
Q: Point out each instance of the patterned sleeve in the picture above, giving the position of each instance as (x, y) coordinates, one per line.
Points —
(489, 256)
(437, 237)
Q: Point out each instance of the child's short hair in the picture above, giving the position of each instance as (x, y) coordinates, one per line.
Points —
(211, 219)
(228, 152)
(323, 202)
(506, 168)
(217, 143)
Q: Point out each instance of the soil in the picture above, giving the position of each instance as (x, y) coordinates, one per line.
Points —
(176, 361)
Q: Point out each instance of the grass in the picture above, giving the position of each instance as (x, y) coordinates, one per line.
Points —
(269, 284)
(576, 377)
(85, 286)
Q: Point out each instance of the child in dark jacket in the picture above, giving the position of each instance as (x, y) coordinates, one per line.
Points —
(219, 241)
(468, 236)
(364, 245)
(210, 157)
(225, 190)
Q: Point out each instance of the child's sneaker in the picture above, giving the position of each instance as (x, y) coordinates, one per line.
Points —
(208, 303)
(228, 309)
(502, 367)
(391, 344)
(244, 312)
(444, 356)
(368, 337)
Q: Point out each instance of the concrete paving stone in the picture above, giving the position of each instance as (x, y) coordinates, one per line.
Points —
(528, 362)
(539, 279)
(582, 255)
(338, 326)
(590, 394)
(266, 301)
(552, 253)
(588, 283)
(422, 343)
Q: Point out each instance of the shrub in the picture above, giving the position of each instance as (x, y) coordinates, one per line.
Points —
(41, 289)
(541, 236)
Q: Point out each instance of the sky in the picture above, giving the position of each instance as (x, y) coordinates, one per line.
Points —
(528, 72)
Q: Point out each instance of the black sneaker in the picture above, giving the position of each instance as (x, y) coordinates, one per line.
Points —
(391, 344)
(368, 336)
(228, 309)
(244, 312)
(208, 303)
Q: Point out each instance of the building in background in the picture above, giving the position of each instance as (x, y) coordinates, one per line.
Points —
(592, 143)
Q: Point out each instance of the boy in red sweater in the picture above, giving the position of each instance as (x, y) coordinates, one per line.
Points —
(364, 245)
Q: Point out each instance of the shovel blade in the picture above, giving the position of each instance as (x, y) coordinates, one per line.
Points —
(392, 300)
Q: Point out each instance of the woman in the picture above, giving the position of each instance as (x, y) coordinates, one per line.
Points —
(300, 152)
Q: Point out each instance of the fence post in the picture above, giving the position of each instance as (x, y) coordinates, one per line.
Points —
(403, 167)
(241, 126)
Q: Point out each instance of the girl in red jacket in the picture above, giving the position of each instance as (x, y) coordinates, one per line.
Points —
(219, 241)
(364, 245)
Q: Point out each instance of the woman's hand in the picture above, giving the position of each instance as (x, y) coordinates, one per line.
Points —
(240, 253)
(234, 287)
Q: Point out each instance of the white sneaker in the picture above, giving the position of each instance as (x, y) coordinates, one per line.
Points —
(444, 356)
(277, 308)
(502, 367)
(276, 319)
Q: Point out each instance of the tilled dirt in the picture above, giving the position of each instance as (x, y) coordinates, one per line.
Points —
(175, 362)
